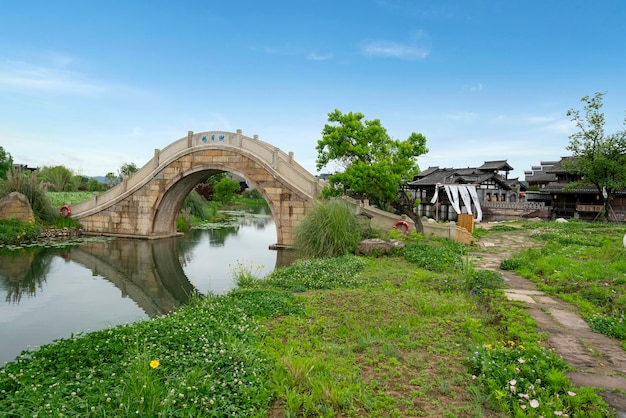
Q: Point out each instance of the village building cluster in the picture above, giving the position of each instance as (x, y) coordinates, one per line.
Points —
(489, 194)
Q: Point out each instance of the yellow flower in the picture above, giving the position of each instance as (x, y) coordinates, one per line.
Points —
(154, 364)
(488, 346)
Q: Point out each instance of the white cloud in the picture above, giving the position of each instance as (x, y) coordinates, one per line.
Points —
(474, 87)
(418, 47)
(313, 56)
(394, 50)
(53, 75)
(296, 51)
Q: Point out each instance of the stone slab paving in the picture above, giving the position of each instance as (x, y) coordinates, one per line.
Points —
(597, 360)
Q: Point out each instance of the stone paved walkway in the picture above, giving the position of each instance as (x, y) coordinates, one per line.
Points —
(597, 360)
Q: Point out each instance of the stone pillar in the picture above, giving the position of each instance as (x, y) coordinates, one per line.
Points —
(238, 138)
(452, 231)
(189, 137)
(157, 152)
(275, 159)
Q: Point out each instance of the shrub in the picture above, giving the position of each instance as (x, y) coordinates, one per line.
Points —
(225, 190)
(330, 229)
(510, 264)
(35, 191)
(252, 194)
(183, 221)
(196, 205)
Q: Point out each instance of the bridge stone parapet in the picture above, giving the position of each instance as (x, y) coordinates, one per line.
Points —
(147, 204)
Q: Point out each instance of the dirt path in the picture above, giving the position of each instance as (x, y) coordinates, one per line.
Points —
(597, 360)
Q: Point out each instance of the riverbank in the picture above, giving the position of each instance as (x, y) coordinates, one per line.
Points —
(398, 335)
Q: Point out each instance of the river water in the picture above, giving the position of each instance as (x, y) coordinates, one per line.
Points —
(48, 293)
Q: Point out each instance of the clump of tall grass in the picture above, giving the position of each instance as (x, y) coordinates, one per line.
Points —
(29, 185)
(330, 229)
(196, 204)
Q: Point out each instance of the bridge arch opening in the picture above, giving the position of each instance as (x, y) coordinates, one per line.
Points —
(171, 203)
(147, 204)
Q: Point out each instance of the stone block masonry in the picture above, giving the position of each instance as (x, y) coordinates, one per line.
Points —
(149, 208)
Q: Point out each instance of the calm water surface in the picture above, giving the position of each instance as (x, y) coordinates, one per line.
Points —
(52, 293)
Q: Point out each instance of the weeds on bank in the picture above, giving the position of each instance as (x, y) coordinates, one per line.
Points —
(245, 275)
(529, 381)
(384, 337)
(13, 231)
(203, 360)
(398, 344)
(317, 273)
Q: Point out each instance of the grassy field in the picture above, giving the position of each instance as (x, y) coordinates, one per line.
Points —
(583, 264)
(418, 333)
(59, 199)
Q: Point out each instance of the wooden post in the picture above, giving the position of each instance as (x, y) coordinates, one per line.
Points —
(466, 221)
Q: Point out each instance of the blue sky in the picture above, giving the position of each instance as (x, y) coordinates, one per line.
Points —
(94, 85)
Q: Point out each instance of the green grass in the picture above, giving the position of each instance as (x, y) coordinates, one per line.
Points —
(351, 337)
(14, 232)
(58, 199)
(583, 264)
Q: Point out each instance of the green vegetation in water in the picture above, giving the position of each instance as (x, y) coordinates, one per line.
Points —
(229, 218)
(584, 264)
(52, 243)
(198, 213)
(385, 337)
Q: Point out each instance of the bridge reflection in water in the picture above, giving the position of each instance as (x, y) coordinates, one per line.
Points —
(49, 293)
(148, 272)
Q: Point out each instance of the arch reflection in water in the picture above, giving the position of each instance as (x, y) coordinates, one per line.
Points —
(223, 249)
(50, 293)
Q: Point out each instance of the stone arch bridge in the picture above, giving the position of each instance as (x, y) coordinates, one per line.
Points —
(147, 204)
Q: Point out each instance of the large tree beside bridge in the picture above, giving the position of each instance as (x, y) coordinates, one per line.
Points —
(370, 163)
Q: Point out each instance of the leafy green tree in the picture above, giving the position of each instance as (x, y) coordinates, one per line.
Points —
(598, 158)
(127, 170)
(374, 165)
(59, 178)
(111, 179)
(225, 190)
(94, 185)
(6, 163)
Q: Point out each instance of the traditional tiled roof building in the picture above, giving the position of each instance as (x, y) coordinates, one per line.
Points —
(490, 182)
(580, 202)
